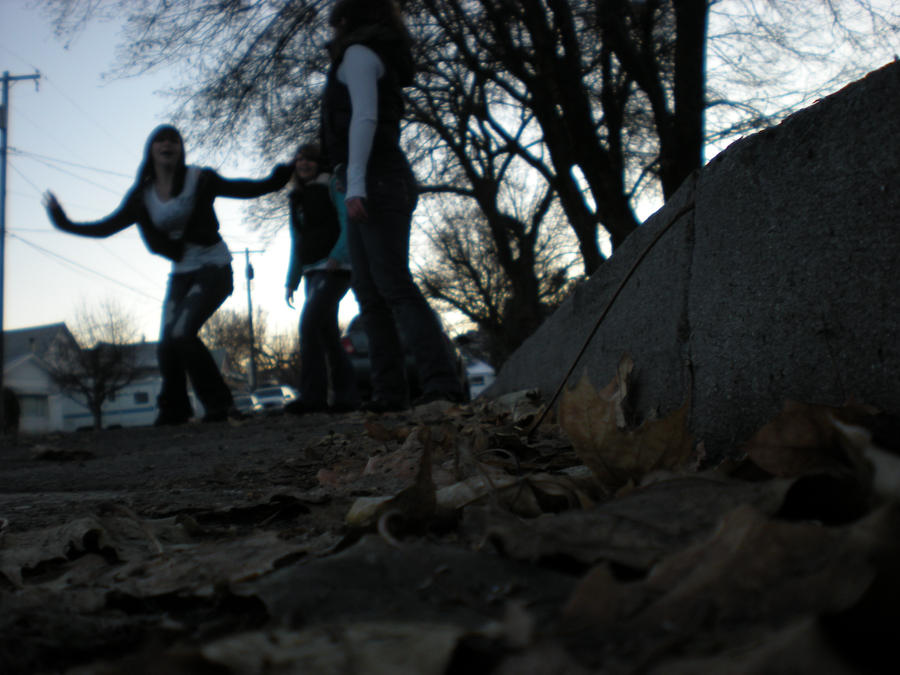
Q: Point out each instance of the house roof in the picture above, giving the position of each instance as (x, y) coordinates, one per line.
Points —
(35, 340)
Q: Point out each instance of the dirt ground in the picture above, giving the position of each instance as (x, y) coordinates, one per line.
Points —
(442, 540)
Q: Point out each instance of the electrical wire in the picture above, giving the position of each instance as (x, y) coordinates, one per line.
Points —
(102, 127)
(84, 268)
(49, 165)
(45, 158)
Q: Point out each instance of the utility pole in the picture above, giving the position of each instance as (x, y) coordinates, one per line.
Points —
(4, 133)
(252, 375)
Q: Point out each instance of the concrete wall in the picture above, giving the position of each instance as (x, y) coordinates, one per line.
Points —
(780, 284)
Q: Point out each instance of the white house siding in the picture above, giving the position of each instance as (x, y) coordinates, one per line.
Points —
(133, 406)
(41, 407)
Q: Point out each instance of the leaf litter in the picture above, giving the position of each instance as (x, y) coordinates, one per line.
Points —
(449, 539)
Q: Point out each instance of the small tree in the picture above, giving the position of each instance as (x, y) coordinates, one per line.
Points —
(280, 358)
(277, 356)
(102, 362)
(228, 329)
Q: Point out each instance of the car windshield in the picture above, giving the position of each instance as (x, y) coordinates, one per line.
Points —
(271, 391)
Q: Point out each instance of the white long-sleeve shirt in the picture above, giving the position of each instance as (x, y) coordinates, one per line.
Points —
(359, 71)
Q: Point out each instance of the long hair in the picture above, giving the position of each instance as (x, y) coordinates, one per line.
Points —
(311, 151)
(373, 20)
(147, 171)
(358, 13)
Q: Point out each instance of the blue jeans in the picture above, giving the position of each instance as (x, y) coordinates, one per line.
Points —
(320, 342)
(192, 298)
(388, 297)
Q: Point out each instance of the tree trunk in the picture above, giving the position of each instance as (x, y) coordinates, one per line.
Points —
(684, 146)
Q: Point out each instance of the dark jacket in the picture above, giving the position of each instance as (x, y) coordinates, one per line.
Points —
(315, 228)
(203, 226)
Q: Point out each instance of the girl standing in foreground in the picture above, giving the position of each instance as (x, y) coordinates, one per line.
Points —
(372, 61)
(172, 204)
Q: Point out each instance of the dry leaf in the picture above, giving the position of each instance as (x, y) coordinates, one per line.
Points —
(593, 421)
(805, 438)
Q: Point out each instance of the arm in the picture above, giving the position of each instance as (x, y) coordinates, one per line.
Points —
(245, 188)
(360, 71)
(295, 268)
(339, 253)
(115, 222)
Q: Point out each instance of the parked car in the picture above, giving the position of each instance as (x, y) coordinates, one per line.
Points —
(272, 399)
(356, 344)
(480, 374)
(246, 403)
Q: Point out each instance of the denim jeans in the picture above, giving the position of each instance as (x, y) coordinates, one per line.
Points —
(320, 342)
(388, 297)
(192, 298)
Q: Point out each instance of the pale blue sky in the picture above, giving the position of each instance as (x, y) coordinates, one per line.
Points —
(75, 122)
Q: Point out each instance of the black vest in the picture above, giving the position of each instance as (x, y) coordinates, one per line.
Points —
(337, 110)
(314, 221)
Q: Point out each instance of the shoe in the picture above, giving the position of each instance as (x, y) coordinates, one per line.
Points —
(301, 407)
(432, 396)
(381, 405)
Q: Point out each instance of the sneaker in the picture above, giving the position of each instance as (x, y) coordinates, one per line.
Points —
(381, 405)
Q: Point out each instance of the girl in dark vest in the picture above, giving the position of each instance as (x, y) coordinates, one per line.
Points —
(362, 108)
(172, 205)
(319, 255)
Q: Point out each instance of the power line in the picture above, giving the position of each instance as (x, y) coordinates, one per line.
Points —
(45, 158)
(101, 186)
(84, 268)
(26, 179)
(104, 128)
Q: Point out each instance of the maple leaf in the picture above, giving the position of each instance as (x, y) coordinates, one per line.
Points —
(595, 423)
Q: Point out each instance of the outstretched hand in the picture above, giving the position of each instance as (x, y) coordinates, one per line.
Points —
(49, 201)
(54, 210)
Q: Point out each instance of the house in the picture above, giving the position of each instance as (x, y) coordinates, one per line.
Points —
(26, 371)
(132, 406)
(25, 355)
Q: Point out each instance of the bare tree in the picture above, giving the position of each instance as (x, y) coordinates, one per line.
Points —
(277, 356)
(466, 271)
(281, 360)
(102, 362)
(228, 330)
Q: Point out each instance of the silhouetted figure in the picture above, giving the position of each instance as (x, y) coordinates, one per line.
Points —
(362, 108)
(172, 204)
(319, 255)
(12, 412)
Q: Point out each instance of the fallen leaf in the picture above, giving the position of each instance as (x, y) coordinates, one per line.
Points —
(382, 432)
(801, 439)
(594, 423)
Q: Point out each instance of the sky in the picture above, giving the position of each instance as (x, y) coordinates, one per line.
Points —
(81, 135)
